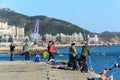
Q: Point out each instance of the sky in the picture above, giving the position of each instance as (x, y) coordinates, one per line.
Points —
(94, 15)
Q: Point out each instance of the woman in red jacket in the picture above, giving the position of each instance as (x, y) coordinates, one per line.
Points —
(52, 50)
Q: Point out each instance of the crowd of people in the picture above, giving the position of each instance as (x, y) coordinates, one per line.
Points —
(75, 62)
(26, 52)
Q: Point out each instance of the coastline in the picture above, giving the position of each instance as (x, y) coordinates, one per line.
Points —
(5, 49)
(66, 45)
(43, 48)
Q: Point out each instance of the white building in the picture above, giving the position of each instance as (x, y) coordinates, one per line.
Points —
(6, 29)
(65, 38)
(94, 39)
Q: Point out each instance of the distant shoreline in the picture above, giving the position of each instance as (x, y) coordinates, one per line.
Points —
(18, 49)
(41, 48)
(67, 45)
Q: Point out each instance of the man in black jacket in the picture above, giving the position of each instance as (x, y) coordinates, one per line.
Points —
(12, 51)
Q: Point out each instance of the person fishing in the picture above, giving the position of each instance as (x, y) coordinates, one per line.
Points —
(82, 60)
(85, 51)
(12, 51)
(72, 56)
(51, 49)
(27, 48)
(48, 48)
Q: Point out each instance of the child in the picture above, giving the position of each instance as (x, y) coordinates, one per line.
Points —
(44, 55)
(37, 57)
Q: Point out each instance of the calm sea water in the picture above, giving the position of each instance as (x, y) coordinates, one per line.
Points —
(100, 58)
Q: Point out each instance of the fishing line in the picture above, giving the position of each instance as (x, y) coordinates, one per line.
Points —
(91, 67)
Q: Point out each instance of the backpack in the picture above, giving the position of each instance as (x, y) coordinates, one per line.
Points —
(70, 64)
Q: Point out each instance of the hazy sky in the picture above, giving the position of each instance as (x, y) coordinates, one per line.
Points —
(93, 15)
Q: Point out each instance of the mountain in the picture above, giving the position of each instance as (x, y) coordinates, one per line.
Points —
(50, 25)
(110, 36)
(47, 24)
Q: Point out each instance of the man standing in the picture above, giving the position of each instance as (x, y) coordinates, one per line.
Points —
(85, 52)
(27, 48)
(72, 56)
(82, 62)
(12, 51)
(48, 49)
(72, 51)
(52, 49)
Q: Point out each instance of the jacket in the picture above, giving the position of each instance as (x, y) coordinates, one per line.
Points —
(85, 51)
(27, 48)
(52, 48)
(12, 47)
(72, 50)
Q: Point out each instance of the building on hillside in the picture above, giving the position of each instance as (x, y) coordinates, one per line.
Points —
(63, 38)
(6, 29)
(93, 40)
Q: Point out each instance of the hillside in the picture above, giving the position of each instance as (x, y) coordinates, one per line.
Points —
(50, 25)
(110, 36)
(47, 25)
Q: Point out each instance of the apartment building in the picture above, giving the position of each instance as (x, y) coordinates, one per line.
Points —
(10, 30)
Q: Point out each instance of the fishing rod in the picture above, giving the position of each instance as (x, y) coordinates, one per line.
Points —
(91, 67)
(116, 64)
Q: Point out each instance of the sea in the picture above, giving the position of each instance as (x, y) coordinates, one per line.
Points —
(100, 58)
